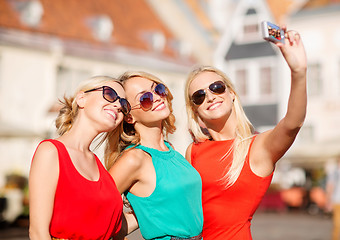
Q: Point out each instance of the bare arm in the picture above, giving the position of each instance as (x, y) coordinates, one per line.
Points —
(270, 146)
(131, 220)
(129, 224)
(43, 180)
(127, 171)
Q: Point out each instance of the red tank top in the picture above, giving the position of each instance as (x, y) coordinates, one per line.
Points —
(84, 209)
(227, 212)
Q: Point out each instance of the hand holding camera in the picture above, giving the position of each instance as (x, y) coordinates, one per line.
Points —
(293, 51)
(272, 32)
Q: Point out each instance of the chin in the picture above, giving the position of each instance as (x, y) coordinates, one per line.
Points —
(166, 114)
(110, 127)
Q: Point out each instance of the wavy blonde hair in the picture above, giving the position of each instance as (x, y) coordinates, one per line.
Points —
(243, 132)
(69, 111)
(129, 134)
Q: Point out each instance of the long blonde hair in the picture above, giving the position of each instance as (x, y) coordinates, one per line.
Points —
(243, 132)
(70, 109)
(129, 135)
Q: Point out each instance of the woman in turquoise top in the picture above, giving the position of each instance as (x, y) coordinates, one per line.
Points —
(163, 189)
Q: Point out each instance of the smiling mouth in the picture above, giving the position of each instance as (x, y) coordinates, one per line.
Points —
(112, 113)
(159, 106)
(214, 105)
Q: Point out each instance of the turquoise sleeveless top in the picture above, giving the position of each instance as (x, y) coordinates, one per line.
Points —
(175, 206)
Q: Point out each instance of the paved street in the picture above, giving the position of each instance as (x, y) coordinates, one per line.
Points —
(265, 226)
(284, 226)
(273, 226)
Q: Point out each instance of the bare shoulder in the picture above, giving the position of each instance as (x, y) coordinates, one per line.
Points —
(44, 169)
(47, 153)
(133, 158)
(188, 153)
(129, 168)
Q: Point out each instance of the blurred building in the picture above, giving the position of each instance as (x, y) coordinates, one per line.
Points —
(48, 47)
(262, 77)
(319, 141)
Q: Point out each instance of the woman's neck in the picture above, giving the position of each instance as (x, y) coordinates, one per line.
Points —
(78, 137)
(151, 137)
(222, 129)
(222, 135)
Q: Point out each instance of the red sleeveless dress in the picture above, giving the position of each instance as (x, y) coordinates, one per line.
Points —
(84, 209)
(227, 212)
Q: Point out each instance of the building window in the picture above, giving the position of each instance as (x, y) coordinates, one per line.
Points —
(251, 11)
(30, 12)
(241, 82)
(102, 27)
(68, 80)
(249, 31)
(314, 79)
(266, 84)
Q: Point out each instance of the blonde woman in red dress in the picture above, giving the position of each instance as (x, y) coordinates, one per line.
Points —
(235, 163)
(72, 196)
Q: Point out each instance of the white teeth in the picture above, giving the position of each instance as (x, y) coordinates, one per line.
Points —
(213, 106)
(159, 106)
(113, 114)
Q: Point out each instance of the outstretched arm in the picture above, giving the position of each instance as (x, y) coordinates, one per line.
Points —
(270, 146)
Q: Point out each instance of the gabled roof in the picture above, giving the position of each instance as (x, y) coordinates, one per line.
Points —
(281, 9)
(271, 10)
(319, 3)
(201, 15)
(315, 7)
(233, 44)
(284, 8)
(134, 23)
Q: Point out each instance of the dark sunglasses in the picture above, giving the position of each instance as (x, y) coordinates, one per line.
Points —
(146, 100)
(216, 88)
(110, 95)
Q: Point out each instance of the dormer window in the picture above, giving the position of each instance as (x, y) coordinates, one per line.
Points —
(250, 29)
(183, 48)
(155, 39)
(158, 41)
(102, 27)
(30, 12)
(251, 11)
